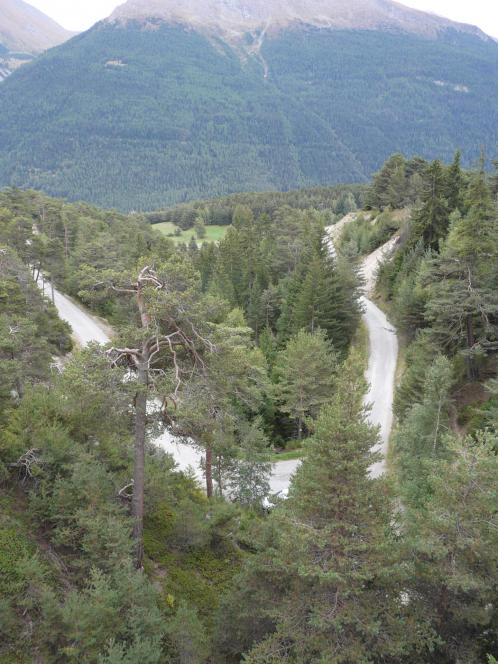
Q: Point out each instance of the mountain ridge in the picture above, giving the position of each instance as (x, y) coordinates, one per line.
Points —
(26, 29)
(24, 33)
(139, 114)
(234, 18)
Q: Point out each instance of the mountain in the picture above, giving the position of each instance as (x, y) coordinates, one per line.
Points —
(170, 101)
(234, 19)
(24, 32)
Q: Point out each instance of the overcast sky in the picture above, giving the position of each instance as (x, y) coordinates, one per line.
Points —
(81, 14)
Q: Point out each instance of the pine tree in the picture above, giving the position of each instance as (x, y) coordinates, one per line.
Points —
(463, 302)
(455, 185)
(432, 219)
(419, 357)
(305, 372)
(454, 544)
(188, 636)
(421, 439)
(389, 184)
(328, 299)
(331, 573)
(213, 408)
(308, 311)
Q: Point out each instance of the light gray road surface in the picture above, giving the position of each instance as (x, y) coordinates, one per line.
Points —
(383, 357)
(380, 374)
(86, 328)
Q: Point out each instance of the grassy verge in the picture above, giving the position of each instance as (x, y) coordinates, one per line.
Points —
(291, 455)
(213, 233)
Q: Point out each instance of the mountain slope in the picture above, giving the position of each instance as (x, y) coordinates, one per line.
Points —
(24, 32)
(147, 110)
(236, 18)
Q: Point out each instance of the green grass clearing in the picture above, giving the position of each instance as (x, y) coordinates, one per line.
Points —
(291, 455)
(213, 233)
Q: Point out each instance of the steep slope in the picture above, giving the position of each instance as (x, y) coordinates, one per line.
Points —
(236, 18)
(24, 32)
(151, 107)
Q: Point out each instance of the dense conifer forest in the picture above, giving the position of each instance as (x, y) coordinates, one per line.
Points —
(251, 350)
(134, 117)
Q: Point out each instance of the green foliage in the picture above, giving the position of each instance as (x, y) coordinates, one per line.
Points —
(142, 135)
(453, 542)
(463, 300)
(419, 356)
(367, 234)
(13, 550)
(327, 576)
(431, 220)
(176, 235)
(187, 634)
(120, 606)
(397, 184)
(30, 331)
(305, 372)
(218, 408)
(421, 439)
(222, 211)
(277, 272)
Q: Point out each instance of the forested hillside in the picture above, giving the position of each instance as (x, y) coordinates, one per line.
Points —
(245, 348)
(139, 119)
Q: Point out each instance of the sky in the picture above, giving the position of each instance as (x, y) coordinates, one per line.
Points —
(82, 14)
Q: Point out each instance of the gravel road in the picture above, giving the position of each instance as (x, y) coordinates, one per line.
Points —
(381, 370)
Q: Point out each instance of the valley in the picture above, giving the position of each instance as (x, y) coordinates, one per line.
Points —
(248, 334)
(244, 348)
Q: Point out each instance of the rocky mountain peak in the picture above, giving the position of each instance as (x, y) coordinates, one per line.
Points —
(232, 18)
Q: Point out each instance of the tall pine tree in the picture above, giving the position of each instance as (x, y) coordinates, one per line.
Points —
(332, 579)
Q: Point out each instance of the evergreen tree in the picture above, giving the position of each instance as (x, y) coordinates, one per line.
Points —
(432, 219)
(389, 184)
(213, 409)
(463, 302)
(419, 357)
(421, 439)
(455, 185)
(187, 634)
(305, 373)
(331, 571)
(328, 299)
(454, 544)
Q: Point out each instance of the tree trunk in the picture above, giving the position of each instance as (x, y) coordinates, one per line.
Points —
(139, 464)
(472, 369)
(209, 471)
(66, 241)
(144, 316)
(300, 428)
(219, 477)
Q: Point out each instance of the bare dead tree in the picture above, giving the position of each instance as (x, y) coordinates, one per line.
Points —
(26, 464)
(126, 493)
(170, 340)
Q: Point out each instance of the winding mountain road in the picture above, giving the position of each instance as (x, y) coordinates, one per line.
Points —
(381, 371)
(383, 358)
(86, 328)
